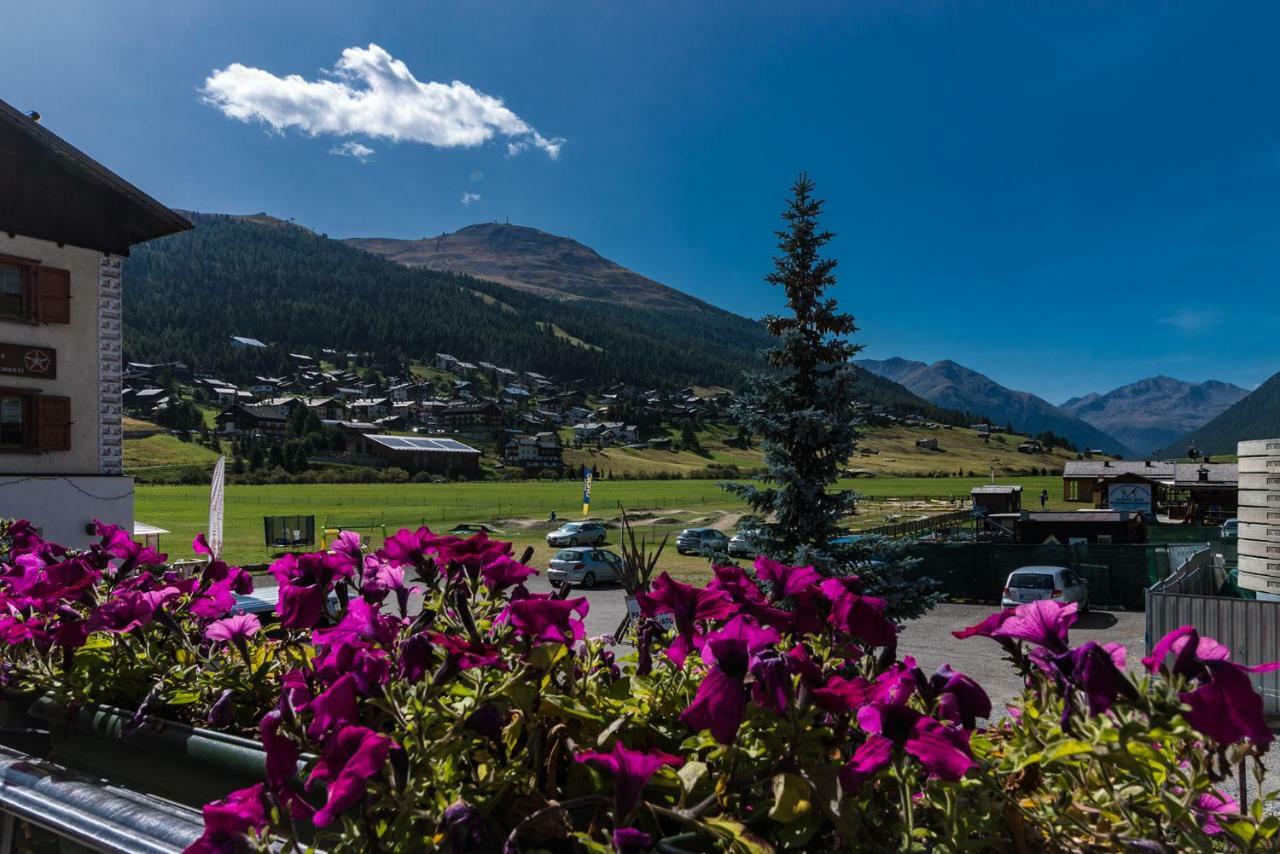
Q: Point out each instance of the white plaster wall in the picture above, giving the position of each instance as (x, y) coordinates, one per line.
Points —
(77, 346)
(61, 507)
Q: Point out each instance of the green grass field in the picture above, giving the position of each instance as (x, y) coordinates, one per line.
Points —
(520, 510)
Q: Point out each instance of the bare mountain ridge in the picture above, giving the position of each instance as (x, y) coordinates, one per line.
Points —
(954, 386)
(531, 260)
(1152, 414)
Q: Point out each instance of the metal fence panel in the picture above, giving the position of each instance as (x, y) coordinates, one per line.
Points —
(1248, 627)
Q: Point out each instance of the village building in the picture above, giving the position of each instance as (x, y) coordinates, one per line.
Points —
(997, 498)
(447, 457)
(542, 450)
(266, 422)
(472, 419)
(65, 223)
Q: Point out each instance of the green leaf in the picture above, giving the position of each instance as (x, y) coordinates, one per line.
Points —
(791, 797)
(691, 774)
(1065, 748)
(741, 841)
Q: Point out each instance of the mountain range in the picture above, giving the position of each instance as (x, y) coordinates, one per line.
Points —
(956, 387)
(1254, 417)
(1150, 415)
(520, 296)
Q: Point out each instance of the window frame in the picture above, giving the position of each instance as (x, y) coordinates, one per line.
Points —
(29, 416)
(27, 268)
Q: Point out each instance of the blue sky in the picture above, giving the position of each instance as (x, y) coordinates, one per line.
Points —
(1066, 196)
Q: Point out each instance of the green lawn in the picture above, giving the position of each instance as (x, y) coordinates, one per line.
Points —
(520, 509)
(164, 449)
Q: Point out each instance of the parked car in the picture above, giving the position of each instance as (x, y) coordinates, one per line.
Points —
(578, 534)
(1033, 583)
(693, 540)
(584, 565)
(1230, 529)
(743, 544)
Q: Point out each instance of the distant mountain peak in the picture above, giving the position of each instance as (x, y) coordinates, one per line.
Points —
(949, 384)
(530, 259)
(1151, 414)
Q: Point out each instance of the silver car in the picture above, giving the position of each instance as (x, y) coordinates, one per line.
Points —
(585, 566)
(578, 534)
(1033, 583)
(693, 540)
(743, 544)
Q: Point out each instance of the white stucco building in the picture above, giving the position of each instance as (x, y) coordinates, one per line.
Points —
(65, 224)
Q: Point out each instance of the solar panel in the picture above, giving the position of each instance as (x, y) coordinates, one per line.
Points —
(453, 445)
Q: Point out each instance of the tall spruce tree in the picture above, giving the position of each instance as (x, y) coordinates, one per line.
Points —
(803, 412)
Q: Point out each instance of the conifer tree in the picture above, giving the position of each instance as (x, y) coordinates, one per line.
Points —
(803, 411)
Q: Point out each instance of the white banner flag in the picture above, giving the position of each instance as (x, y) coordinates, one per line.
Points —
(216, 492)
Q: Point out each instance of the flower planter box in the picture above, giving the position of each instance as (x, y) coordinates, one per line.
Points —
(186, 764)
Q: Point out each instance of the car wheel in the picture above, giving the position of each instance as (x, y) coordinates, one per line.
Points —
(589, 580)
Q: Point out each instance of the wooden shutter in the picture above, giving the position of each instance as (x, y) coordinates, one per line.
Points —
(53, 423)
(53, 295)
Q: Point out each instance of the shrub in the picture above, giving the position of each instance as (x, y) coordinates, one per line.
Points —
(775, 712)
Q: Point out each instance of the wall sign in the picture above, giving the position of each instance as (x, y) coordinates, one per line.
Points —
(20, 360)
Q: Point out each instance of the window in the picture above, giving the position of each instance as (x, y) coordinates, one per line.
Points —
(13, 290)
(31, 292)
(13, 421)
(31, 422)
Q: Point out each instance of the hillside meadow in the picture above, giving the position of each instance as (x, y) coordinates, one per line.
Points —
(521, 510)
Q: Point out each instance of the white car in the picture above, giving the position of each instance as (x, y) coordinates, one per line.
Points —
(1230, 529)
(584, 565)
(578, 534)
(1033, 583)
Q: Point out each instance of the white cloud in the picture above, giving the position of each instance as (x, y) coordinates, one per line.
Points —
(1193, 322)
(470, 198)
(373, 94)
(351, 148)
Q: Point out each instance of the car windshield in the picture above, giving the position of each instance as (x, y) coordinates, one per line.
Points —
(1031, 581)
(571, 527)
(569, 555)
(691, 532)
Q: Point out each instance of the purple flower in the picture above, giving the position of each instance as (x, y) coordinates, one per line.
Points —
(355, 755)
(960, 699)
(859, 616)
(1211, 806)
(542, 617)
(1043, 623)
(720, 703)
(228, 821)
(771, 681)
(129, 610)
(841, 695)
(117, 543)
(1097, 671)
(334, 707)
(304, 584)
(986, 628)
(505, 572)
(362, 622)
(223, 712)
(282, 752)
(236, 630)
(387, 578)
(1223, 705)
(787, 581)
(464, 655)
(689, 606)
(215, 601)
(631, 840)
(466, 829)
(940, 750)
(631, 770)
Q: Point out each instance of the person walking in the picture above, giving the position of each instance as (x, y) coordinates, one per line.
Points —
(1044, 498)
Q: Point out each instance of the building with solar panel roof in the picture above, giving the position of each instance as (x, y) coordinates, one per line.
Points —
(418, 453)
